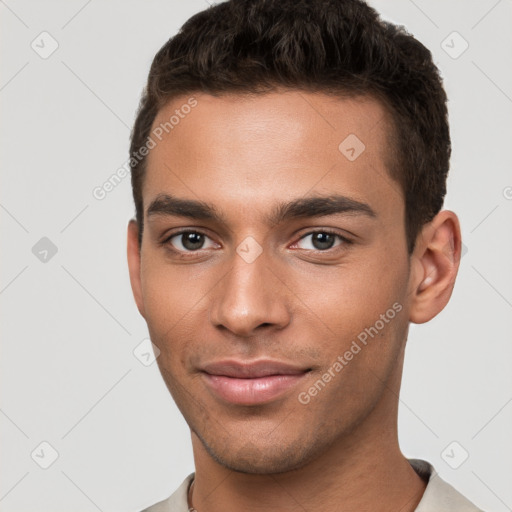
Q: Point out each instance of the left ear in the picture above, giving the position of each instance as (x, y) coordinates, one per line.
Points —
(434, 266)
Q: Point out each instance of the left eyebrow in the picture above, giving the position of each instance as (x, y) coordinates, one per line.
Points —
(320, 206)
(313, 206)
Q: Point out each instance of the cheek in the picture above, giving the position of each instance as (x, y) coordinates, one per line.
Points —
(363, 321)
(351, 298)
(176, 307)
(166, 307)
(170, 292)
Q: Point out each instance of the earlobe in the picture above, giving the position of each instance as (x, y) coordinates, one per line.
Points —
(134, 256)
(436, 263)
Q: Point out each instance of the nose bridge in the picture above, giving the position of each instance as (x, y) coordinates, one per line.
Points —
(250, 295)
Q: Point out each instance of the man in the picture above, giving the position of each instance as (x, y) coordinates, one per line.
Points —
(289, 161)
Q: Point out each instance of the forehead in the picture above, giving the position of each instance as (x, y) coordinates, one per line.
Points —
(242, 149)
(291, 115)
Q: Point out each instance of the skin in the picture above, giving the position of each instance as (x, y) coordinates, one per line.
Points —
(293, 303)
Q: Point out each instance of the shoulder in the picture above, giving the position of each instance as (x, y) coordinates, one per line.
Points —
(439, 496)
(177, 502)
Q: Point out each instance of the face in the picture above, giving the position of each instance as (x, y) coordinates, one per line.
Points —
(278, 292)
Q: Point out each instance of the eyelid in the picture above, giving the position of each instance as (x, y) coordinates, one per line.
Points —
(168, 237)
(345, 240)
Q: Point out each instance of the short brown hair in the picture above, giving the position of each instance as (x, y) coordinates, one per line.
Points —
(338, 47)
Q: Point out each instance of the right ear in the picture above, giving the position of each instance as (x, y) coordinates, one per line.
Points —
(134, 264)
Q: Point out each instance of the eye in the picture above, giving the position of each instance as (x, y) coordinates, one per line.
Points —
(322, 240)
(188, 241)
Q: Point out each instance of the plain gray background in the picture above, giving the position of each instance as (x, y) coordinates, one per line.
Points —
(69, 376)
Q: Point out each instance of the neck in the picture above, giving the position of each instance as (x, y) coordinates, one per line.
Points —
(349, 476)
(362, 470)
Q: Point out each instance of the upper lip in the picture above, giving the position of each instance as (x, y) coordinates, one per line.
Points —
(252, 369)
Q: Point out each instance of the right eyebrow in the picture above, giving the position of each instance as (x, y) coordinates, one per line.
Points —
(165, 204)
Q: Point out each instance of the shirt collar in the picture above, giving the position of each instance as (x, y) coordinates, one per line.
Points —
(439, 496)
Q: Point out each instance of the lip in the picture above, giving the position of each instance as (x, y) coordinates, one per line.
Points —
(251, 383)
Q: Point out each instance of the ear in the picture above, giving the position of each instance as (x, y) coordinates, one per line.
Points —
(435, 263)
(134, 264)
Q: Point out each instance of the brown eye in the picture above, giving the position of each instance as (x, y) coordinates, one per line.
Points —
(192, 241)
(189, 241)
(321, 241)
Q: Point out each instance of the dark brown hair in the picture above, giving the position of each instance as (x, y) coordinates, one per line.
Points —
(339, 47)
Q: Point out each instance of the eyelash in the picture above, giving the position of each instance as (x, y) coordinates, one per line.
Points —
(344, 240)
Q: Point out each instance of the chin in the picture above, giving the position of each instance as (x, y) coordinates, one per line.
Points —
(263, 457)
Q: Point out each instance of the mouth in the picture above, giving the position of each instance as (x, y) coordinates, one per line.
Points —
(253, 383)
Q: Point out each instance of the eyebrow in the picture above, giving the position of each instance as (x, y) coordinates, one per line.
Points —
(304, 207)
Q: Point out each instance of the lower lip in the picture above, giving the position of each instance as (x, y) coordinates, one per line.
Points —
(251, 391)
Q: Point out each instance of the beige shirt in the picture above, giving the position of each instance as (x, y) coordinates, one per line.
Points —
(439, 496)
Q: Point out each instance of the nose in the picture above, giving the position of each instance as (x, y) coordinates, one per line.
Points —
(249, 298)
